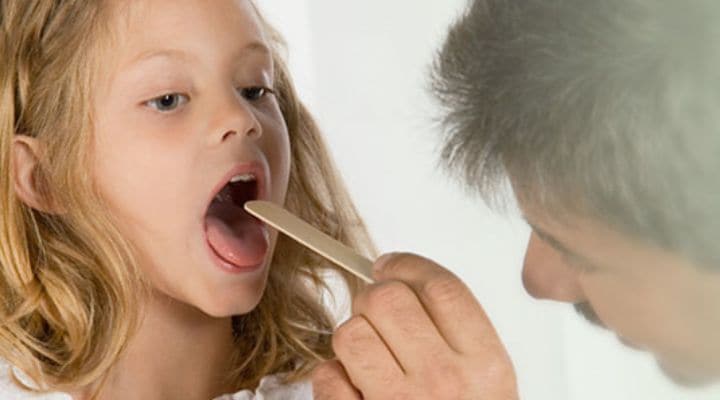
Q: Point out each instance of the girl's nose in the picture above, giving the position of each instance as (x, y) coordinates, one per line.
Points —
(237, 118)
(546, 274)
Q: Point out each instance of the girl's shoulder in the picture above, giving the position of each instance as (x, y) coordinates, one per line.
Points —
(271, 388)
(10, 391)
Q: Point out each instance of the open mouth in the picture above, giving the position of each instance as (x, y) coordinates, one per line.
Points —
(235, 236)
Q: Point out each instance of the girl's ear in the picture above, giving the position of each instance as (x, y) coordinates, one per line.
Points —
(25, 154)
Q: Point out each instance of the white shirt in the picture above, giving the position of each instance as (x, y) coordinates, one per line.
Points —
(270, 388)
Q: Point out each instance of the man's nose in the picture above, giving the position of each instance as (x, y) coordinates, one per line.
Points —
(546, 274)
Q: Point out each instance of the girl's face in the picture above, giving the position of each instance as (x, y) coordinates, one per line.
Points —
(187, 129)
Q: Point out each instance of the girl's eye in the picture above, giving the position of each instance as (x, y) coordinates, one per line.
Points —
(168, 102)
(255, 93)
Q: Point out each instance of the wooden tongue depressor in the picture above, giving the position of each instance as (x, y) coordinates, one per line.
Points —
(310, 237)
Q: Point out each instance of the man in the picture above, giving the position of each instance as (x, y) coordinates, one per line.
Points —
(605, 118)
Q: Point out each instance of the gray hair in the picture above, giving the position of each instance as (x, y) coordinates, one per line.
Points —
(608, 109)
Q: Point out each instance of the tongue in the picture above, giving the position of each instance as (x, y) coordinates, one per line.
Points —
(240, 240)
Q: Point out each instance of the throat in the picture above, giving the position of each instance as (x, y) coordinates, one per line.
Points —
(162, 360)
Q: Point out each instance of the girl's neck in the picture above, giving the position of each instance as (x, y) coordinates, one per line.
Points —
(178, 352)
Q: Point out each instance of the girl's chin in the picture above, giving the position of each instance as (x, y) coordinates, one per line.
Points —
(227, 312)
(211, 285)
(230, 301)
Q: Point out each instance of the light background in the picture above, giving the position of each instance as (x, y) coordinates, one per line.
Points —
(361, 66)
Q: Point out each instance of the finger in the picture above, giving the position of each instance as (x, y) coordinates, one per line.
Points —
(366, 358)
(331, 382)
(396, 313)
(458, 316)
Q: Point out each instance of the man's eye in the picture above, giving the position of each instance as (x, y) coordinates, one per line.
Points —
(255, 93)
(168, 102)
(581, 265)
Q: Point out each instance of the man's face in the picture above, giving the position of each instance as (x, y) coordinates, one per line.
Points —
(651, 298)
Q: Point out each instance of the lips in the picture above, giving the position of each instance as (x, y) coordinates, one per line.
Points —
(239, 240)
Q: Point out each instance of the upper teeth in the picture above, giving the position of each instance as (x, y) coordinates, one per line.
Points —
(243, 178)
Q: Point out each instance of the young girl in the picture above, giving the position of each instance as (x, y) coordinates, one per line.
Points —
(131, 133)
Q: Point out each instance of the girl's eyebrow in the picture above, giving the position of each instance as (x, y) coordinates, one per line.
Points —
(163, 53)
(177, 54)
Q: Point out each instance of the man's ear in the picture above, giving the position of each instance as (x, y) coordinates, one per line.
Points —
(25, 155)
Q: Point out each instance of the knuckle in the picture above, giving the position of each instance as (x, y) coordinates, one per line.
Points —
(325, 372)
(352, 335)
(324, 382)
(444, 379)
(402, 395)
(388, 295)
(323, 392)
(444, 289)
(396, 260)
(500, 369)
(401, 261)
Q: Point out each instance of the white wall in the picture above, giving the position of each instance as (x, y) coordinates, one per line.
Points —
(362, 68)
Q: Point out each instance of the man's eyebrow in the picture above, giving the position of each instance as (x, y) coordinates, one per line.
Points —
(562, 248)
(549, 239)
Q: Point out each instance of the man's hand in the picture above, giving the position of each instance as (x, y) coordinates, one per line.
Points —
(418, 333)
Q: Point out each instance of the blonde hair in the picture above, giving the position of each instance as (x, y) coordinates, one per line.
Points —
(70, 282)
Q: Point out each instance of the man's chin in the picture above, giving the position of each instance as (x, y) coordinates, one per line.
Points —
(681, 375)
(686, 377)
